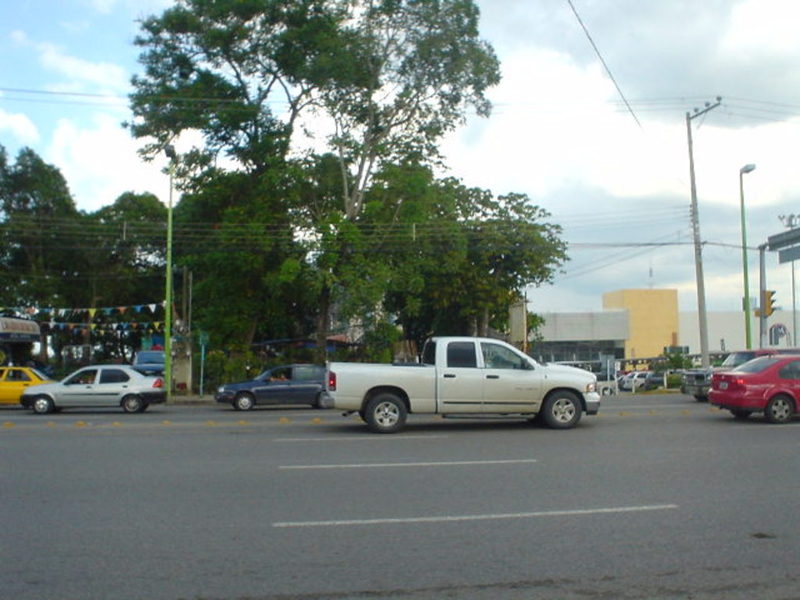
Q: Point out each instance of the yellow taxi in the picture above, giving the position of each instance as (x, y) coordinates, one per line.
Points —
(14, 380)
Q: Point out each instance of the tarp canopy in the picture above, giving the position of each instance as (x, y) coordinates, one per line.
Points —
(18, 330)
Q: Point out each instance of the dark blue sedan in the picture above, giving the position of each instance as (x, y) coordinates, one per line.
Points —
(288, 384)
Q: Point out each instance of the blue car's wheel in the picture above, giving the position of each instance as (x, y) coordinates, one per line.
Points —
(244, 402)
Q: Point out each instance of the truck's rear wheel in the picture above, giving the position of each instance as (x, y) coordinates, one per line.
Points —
(385, 413)
(562, 410)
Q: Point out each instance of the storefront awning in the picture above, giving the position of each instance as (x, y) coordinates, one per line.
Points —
(18, 330)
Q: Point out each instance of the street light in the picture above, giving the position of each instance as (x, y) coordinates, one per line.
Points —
(169, 150)
(746, 306)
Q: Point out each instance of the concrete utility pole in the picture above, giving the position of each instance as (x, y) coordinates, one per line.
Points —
(698, 247)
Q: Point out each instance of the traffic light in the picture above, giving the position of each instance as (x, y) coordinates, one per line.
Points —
(768, 302)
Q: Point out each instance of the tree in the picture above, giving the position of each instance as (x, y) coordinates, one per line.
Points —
(251, 280)
(471, 257)
(422, 66)
(393, 76)
(230, 69)
(37, 259)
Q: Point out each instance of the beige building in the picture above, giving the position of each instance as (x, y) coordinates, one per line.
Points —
(638, 324)
(653, 321)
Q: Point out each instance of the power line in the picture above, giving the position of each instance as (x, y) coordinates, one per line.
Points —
(602, 60)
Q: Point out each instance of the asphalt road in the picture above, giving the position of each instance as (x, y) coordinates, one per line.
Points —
(657, 497)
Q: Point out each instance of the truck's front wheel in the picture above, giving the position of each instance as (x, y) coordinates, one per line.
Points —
(385, 413)
(562, 410)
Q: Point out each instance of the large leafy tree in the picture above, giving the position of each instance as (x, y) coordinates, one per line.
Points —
(238, 71)
(37, 213)
(391, 75)
(466, 256)
(251, 279)
(422, 66)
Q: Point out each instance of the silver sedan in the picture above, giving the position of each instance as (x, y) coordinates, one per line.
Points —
(95, 387)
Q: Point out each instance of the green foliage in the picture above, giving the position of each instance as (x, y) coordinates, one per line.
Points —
(674, 381)
(37, 212)
(678, 361)
(379, 342)
(422, 66)
(222, 367)
(287, 245)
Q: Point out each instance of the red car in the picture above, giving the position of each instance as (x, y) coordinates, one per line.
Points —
(768, 384)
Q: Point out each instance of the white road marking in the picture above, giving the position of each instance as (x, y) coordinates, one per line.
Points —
(361, 438)
(411, 464)
(488, 517)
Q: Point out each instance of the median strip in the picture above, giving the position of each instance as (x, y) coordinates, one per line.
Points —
(488, 517)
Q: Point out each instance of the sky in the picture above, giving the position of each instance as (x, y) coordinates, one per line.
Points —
(591, 127)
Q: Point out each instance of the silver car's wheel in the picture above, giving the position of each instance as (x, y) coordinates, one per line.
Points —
(42, 405)
(132, 404)
(779, 409)
(244, 402)
(385, 413)
(562, 410)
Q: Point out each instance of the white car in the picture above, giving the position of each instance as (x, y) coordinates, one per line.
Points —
(97, 386)
(633, 380)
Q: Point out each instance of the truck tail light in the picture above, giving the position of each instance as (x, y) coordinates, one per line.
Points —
(158, 383)
(332, 381)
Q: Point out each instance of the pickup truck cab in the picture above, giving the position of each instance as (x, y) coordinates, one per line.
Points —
(462, 376)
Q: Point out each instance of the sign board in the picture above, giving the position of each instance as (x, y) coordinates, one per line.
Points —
(784, 240)
(789, 255)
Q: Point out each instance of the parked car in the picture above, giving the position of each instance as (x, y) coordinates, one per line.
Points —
(15, 380)
(697, 382)
(287, 384)
(633, 381)
(149, 362)
(97, 386)
(767, 384)
(654, 380)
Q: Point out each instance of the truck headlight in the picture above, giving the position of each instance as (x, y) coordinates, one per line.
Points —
(591, 387)
(221, 389)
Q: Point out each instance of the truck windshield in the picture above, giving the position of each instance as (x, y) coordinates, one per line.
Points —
(734, 359)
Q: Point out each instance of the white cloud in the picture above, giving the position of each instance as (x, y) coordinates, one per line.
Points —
(101, 163)
(763, 28)
(105, 76)
(20, 126)
(103, 6)
(556, 124)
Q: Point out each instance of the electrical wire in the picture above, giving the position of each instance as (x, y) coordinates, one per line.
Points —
(605, 65)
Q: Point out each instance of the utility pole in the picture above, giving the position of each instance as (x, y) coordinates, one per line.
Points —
(698, 248)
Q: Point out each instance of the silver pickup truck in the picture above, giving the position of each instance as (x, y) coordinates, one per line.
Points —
(462, 376)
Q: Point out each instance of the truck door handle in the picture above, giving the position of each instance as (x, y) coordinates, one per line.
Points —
(493, 377)
(449, 376)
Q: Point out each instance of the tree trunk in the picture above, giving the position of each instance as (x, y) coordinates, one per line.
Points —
(323, 325)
